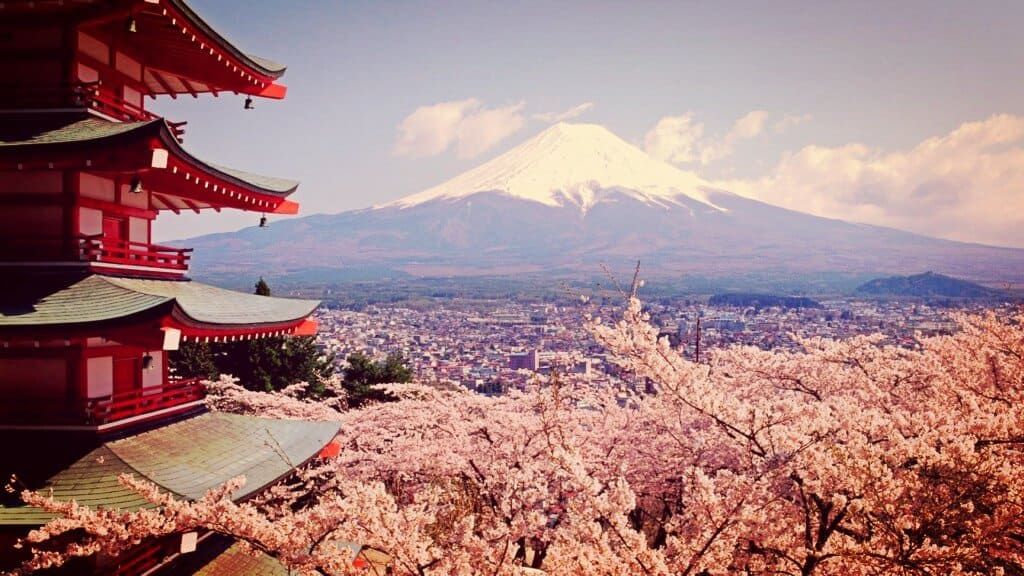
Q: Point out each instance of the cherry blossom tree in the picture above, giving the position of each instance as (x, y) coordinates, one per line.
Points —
(843, 457)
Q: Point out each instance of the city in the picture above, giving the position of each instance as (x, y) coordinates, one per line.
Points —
(491, 345)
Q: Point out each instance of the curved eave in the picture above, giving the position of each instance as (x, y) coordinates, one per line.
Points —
(178, 28)
(198, 331)
(61, 305)
(255, 64)
(222, 186)
(84, 142)
(267, 185)
(192, 57)
(216, 314)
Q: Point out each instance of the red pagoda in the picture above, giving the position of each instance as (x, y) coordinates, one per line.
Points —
(89, 305)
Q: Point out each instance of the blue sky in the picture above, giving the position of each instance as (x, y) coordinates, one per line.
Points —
(907, 114)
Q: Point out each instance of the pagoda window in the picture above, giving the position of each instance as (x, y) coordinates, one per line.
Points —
(96, 187)
(138, 230)
(129, 67)
(90, 221)
(87, 74)
(153, 377)
(93, 48)
(132, 96)
(134, 199)
(99, 377)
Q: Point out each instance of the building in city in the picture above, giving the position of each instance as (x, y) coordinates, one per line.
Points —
(528, 360)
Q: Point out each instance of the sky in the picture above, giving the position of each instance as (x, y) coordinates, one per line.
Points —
(905, 114)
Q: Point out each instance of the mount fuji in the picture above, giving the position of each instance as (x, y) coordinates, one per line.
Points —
(575, 197)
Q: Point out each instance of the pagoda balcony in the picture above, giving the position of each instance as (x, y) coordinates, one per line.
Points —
(104, 411)
(88, 95)
(100, 250)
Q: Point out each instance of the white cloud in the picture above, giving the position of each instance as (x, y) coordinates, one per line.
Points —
(966, 185)
(483, 128)
(569, 114)
(472, 128)
(790, 121)
(680, 139)
(675, 139)
(749, 126)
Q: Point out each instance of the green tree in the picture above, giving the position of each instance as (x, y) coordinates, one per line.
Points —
(193, 360)
(362, 373)
(266, 364)
(262, 288)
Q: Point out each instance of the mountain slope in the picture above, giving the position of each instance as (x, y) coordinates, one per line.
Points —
(571, 164)
(575, 197)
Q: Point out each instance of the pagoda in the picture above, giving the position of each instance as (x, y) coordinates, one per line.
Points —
(90, 306)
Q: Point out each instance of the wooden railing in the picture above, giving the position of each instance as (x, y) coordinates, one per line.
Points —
(142, 400)
(94, 95)
(97, 248)
(101, 100)
(101, 410)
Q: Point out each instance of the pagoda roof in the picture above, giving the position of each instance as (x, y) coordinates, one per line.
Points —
(182, 52)
(75, 139)
(257, 63)
(30, 131)
(186, 458)
(40, 300)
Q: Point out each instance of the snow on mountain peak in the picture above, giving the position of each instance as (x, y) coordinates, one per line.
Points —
(571, 163)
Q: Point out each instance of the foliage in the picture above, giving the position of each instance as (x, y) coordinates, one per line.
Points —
(295, 402)
(194, 360)
(261, 288)
(846, 457)
(265, 364)
(362, 374)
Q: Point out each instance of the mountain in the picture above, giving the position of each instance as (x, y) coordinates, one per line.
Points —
(928, 284)
(567, 201)
(572, 165)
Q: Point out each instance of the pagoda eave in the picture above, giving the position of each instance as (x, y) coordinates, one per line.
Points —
(198, 332)
(147, 151)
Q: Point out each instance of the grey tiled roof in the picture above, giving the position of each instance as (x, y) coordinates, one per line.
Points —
(268, 183)
(41, 300)
(60, 128)
(91, 481)
(195, 455)
(186, 458)
(57, 300)
(20, 130)
(213, 305)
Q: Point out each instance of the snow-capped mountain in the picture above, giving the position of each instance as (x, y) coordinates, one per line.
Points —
(571, 164)
(573, 198)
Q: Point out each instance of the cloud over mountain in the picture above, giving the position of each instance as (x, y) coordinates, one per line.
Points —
(681, 139)
(468, 125)
(965, 185)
